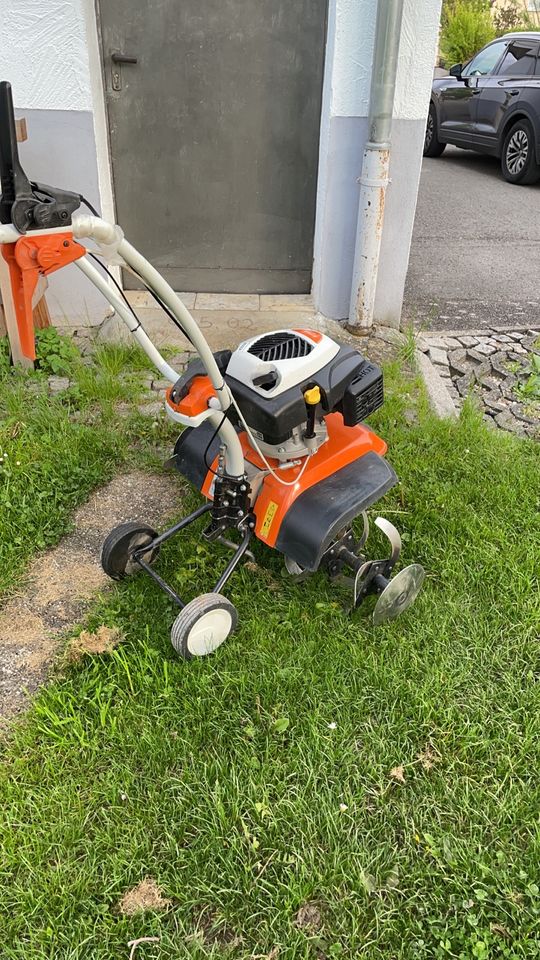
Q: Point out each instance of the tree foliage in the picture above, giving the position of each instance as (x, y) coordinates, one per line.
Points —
(467, 25)
(510, 16)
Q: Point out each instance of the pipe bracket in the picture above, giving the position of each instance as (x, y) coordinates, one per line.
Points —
(372, 182)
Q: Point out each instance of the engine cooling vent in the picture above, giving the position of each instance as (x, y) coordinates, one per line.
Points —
(364, 395)
(281, 346)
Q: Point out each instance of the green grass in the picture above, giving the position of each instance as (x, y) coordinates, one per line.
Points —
(224, 781)
(55, 449)
(530, 389)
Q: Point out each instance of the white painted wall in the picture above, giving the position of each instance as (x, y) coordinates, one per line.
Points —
(44, 54)
(417, 55)
(345, 108)
(50, 54)
(348, 69)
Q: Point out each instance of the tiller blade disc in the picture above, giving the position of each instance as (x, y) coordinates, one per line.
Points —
(400, 592)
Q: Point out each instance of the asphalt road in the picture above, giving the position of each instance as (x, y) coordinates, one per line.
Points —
(475, 254)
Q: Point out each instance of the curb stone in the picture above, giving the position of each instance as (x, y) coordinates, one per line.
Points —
(439, 397)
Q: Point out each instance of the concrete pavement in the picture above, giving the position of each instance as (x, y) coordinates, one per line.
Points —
(475, 253)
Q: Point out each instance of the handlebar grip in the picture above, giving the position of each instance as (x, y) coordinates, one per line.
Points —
(13, 179)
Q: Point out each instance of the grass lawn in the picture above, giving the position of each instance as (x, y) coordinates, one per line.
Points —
(55, 449)
(318, 788)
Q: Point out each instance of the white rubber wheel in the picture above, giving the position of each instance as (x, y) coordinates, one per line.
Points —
(203, 625)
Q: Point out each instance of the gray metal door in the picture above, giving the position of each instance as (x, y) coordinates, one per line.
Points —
(214, 136)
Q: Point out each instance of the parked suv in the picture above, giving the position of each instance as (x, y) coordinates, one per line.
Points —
(492, 104)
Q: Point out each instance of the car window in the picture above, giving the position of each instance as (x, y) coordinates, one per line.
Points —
(485, 61)
(519, 59)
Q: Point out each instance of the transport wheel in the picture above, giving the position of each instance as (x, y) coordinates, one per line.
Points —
(432, 145)
(518, 160)
(400, 592)
(118, 548)
(203, 625)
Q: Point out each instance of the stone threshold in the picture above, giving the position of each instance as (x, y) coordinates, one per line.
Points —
(230, 301)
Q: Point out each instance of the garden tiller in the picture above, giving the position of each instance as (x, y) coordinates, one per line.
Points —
(273, 432)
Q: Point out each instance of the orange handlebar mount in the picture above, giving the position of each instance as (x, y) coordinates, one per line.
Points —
(27, 258)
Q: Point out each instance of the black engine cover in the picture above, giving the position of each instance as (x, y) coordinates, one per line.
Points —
(343, 382)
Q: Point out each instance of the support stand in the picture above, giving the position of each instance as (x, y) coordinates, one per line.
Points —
(150, 548)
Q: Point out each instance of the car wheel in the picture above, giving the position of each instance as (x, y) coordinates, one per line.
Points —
(518, 160)
(432, 145)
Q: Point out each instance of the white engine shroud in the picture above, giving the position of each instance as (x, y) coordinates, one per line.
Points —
(245, 366)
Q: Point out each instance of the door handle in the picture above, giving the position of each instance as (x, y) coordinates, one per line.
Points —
(118, 59)
(513, 93)
(123, 58)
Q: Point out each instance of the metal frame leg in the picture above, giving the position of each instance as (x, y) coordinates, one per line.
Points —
(234, 546)
(240, 550)
(160, 581)
(233, 563)
(138, 555)
(176, 529)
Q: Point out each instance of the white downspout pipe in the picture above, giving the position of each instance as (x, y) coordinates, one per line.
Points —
(374, 177)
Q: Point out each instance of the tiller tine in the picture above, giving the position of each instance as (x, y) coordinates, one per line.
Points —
(399, 593)
(373, 576)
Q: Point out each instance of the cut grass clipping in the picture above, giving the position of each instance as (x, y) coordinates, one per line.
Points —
(317, 788)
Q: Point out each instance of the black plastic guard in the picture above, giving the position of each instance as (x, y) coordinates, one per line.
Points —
(189, 452)
(317, 515)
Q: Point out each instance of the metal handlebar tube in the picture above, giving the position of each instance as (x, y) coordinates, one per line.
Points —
(134, 326)
(111, 234)
(234, 455)
(165, 292)
(86, 225)
(10, 234)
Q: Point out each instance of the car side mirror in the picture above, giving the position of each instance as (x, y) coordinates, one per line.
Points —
(456, 71)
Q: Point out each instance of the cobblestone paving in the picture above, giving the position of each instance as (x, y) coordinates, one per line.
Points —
(493, 365)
